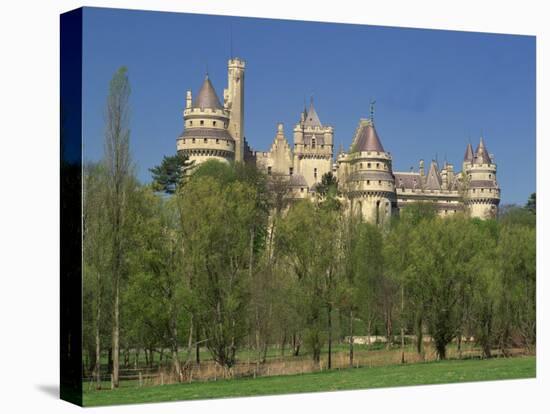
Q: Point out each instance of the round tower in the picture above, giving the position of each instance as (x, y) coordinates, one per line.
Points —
(370, 183)
(206, 122)
(482, 193)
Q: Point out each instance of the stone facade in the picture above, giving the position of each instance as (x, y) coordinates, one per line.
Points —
(366, 181)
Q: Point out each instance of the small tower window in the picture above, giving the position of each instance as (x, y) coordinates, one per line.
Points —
(217, 141)
(202, 122)
(360, 165)
(368, 182)
(206, 140)
(377, 165)
(190, 122)
(193, 140)
(315, 173)
(302, 189)
(490, 176)
(368, 165)
(268, 170)
(213, 123)
(313, 143)
(290, 171)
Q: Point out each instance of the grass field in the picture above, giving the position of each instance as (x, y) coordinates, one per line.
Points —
(346, 379)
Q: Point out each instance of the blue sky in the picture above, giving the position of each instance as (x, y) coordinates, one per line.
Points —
(434, 90)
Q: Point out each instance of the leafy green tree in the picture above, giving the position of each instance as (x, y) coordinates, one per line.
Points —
(171, 172)
(532, 203)
(216, 221)
(96, 256)
(306, 236)
(442, 256)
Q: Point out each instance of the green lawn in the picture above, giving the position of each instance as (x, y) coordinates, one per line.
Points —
(348, 379)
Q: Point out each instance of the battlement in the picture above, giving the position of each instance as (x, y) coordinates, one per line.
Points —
(198, 112)
(236, 62)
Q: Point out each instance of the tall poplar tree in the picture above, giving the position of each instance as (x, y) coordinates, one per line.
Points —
(118, 171)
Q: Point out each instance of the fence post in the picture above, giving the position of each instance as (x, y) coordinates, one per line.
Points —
(161, 378)
(140, 380)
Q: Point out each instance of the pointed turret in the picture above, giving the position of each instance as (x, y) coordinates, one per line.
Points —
(207, 98)
(482, 156)
(368, 139)
(469, 154)
(312, 119)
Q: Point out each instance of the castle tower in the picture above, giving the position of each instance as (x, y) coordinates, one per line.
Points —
(482, 193)
(313, 147)
(234, 104)
(370, 182)
(205, 121)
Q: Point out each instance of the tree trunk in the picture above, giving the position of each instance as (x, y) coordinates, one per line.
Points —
(351, 338)
(419, 339)
(116, 350)
(97, 368)
(402, 327)
(198, 345)
(329, 315)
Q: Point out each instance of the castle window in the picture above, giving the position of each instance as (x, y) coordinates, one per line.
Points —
(315, 173)
(190, 122)
(360, 165)
(322, 146)
(202, 122)
(206, 140)
(377, 165)
(379, 182)
(313, 143)
(217, 141)
(268, 170)
(213, 123)
(193, 140)
(302, 189)
(290, 171)
(490, 176)
(445, 211)
(368, 165)
(368, 182)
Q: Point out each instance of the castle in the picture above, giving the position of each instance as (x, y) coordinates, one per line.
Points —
(366, 180)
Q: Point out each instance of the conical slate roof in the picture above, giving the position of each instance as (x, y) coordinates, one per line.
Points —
(482, 156)
(469, 154)
(368, 139)
(312, 119)
(207, 98)
(433, 179)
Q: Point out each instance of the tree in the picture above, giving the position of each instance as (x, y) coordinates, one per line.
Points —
(96, 255)
(118, 173)
(532, 203)
(442, 256)
(171, 172)
(306, 236)
(217, 216)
